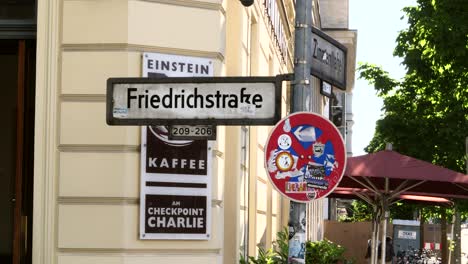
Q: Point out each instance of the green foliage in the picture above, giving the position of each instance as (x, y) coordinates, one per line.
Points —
(276, 255)
(426, 113)
(325, 252)
(359, 211)
(242, 259)
(407, 211)
(264, 257)
(320, 252)
(282, 245)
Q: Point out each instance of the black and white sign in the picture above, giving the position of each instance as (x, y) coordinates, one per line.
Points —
(328, 59)
(326, 89)
(403, 234)
(175, 214)
(175, 187)
(174, 156)
(192, 132)
(190, 101)
(176, 66)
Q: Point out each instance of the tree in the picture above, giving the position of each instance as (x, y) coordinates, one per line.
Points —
(426, 113)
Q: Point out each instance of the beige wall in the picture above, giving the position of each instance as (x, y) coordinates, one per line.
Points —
(87, 173)
(86, 194)
(251, 52)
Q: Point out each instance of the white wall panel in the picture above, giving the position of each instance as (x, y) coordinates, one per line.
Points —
(85, 174)
(116, 226)
(85, 123)
(100, 21)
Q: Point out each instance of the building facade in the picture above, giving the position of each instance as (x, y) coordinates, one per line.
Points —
(72, 183)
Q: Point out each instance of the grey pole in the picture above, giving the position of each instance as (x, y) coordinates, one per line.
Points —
(302, 56)
(301, 92)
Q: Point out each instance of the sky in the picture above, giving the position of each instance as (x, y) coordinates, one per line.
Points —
(377, 23)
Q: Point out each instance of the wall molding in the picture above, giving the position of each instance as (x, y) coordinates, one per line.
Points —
(95, 200)
(191, 3)
(72, 200)
(101, 98)
(45, 131)
(126, 47)
(99, 148)
(152, 252)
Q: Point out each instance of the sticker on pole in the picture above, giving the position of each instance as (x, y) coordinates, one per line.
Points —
(305, 157)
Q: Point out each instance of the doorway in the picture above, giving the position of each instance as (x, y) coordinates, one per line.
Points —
(17, 65)
(17, 96)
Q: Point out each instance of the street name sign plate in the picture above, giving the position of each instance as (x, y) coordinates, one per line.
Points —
(194, 101)
(328, 59)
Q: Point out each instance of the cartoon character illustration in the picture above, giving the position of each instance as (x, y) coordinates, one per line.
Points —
(301, 156)
(318, 149)
(284, 161)
(284, 141)
(280, 163)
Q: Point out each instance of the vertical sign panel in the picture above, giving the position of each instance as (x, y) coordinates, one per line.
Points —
(175, 185)
(328, 59)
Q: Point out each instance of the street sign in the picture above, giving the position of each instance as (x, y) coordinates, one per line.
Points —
(305, 157)
(328, 59)
(184, 132)
(326, 89)
(194, 101)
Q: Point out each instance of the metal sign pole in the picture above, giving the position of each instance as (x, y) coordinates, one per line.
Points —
(302, 56)
(301, 92)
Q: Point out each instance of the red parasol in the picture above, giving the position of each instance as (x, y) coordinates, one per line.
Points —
(386, 176)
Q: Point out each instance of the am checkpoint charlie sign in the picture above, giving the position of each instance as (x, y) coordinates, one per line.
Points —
(175, 184)
(305, 157)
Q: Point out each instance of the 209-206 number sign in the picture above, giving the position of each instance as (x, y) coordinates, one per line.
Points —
(192, 132)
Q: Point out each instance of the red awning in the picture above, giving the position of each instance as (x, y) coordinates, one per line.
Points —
(423, 177)
(394, 165)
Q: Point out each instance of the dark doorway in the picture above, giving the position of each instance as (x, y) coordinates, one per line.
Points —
(17, 68)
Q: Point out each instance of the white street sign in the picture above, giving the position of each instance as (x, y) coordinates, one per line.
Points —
(193, 100)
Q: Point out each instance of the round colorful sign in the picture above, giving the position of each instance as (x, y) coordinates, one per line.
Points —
(305, 156)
